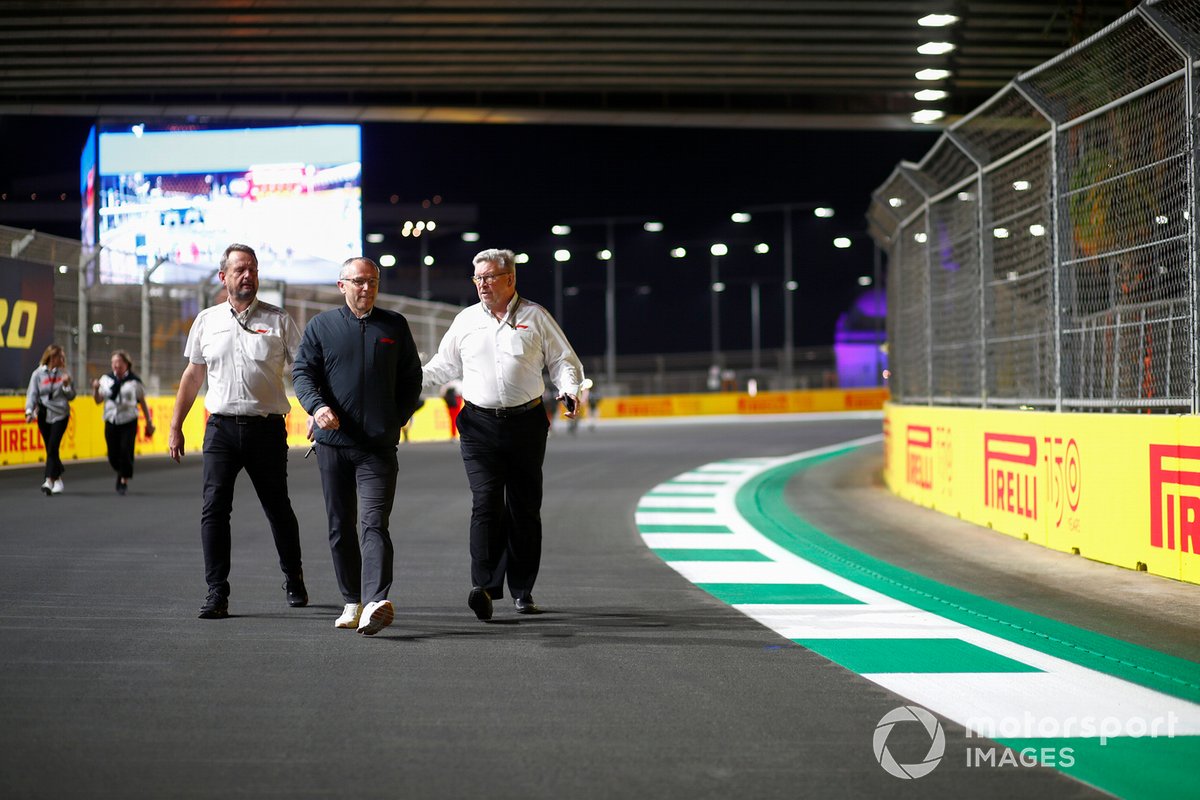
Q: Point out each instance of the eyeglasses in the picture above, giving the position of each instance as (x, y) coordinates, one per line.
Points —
(488, 278)
(361, 282)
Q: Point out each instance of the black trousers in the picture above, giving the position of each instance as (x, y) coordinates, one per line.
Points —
(120, 440)
(52, 435)
(359, 487)
(259, 446)
(503, 457)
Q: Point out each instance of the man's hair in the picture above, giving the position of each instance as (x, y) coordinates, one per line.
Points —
(505, 258)
(343, 272)
(238, 248)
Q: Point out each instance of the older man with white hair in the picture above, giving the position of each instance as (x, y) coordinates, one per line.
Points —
(498, 349)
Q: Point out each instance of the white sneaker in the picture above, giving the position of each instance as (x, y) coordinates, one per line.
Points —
(375, 617)
(349, 617)
(57, 488)
(47, 487)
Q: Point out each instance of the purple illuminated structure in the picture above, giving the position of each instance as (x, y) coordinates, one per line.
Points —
(858, 341)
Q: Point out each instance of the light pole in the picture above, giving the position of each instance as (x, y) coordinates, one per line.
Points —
(610, 283)
(820, 211)
(561, 257)
(715, 288)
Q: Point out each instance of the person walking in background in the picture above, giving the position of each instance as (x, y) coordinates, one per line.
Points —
(122, 393)
(499, 349)
(242, 347)
(358, 374)
(48, 401)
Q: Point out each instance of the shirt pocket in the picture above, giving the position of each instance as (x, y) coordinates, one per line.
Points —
(512, 341)
(264, 347)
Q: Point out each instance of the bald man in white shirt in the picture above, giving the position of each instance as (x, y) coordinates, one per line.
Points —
(499, 349)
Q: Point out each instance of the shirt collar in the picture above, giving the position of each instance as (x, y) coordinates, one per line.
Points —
(245, 315)
(512, 304)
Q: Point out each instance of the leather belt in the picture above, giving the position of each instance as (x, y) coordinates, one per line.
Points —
(243, 419)
(511, 411)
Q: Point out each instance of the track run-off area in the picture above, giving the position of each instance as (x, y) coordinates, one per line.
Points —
(733, 608)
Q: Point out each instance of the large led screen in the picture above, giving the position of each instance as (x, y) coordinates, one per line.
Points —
(87, 189)
(178, 198)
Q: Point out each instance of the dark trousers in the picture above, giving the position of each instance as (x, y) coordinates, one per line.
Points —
(359, 487)
(503, 457)
(259, 446)
(120, 439)
(52, 435)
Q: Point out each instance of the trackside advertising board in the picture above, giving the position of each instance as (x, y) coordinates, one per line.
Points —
(1119, 488)
(26, 319)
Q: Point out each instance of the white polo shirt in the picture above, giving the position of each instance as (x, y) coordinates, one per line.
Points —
(245, 355)
(500, 361)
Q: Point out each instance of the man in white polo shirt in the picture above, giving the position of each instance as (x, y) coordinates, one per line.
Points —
(242, 346)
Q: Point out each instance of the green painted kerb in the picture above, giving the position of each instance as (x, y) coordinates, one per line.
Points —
(703, 554)
(681, 528)
(776, 593)
(682, 510)
(912, 655)
(761, 502)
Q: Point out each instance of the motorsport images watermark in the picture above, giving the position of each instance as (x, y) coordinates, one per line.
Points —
(928, 731)
(937, 742)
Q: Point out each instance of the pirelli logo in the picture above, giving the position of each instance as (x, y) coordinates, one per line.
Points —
(1010, 473)
(1175, 497)
(918, 456)
(17, 435)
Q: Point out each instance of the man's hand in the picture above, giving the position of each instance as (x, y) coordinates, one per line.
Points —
(570, 404)
(326, 419)
(175, 444)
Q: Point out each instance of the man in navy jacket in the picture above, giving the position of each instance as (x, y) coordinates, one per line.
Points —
(358, 374)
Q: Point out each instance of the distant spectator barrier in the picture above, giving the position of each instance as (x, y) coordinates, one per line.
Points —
(20, 442)
(722, 403)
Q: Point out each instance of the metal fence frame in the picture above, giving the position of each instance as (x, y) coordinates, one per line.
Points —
(1043, 254)
(151, 320)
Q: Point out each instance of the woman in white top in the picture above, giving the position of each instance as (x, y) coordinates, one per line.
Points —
(122, 393)
(49, 402)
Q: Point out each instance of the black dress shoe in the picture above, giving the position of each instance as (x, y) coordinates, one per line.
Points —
(216, 606)
(297, 594)
(526, 606)
(480, 602)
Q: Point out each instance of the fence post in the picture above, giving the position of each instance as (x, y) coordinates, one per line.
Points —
(1182, 44)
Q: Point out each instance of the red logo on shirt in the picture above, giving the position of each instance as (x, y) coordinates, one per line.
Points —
(386, 340)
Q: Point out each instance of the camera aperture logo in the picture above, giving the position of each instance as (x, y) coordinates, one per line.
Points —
(937, 742)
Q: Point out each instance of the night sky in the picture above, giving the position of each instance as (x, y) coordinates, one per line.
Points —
(523, 179)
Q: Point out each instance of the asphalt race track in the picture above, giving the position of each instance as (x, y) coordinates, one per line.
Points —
(634, 683)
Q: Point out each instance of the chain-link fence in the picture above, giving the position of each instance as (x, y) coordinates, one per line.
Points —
(1044, 252)
(151, 320)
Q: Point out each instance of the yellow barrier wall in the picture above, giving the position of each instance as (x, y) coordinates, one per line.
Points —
(1118, 488)
(21, 443)
(690, 405)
